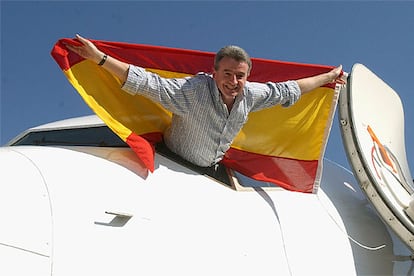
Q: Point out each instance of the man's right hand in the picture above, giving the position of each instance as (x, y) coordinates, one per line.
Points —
(86, 50)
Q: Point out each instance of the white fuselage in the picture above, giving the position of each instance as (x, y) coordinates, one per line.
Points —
(90, 211)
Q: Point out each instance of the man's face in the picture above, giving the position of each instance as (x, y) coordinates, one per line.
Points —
(231, 76)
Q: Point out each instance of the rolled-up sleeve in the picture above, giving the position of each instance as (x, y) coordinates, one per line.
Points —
(290, 93)
(268, 94)
(134, 79)
(175, 94)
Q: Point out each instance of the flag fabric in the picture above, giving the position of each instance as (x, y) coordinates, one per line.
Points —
(284, 146)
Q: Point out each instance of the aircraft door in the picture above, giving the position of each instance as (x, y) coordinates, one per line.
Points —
(372, 124)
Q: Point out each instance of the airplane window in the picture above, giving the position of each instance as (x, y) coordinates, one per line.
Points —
(230, 178)
(221, 175)
(93, 136)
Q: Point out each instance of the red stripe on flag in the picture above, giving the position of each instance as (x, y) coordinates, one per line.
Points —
(143, 146)
(185, 61)
(63, 57)
(291, 174)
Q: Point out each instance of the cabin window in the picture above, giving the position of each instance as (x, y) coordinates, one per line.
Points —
(225, 176)
(93, 136)
(220, 174)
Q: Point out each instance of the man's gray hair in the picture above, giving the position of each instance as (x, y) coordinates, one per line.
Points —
(234, 52)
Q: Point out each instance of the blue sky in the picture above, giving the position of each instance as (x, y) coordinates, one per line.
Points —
(34, 90)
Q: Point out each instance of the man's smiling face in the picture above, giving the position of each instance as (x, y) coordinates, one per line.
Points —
(231, 76)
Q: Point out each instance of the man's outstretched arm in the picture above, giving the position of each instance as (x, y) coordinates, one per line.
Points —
(89, 51)
(310, 83)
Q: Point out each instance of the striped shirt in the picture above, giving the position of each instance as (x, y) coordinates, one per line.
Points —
(202, 129)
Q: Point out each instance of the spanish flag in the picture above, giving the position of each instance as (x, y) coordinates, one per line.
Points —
(284, 146)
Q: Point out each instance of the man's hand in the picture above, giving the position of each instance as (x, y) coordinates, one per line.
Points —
(89, 51)
(338, 76)
(86, 50)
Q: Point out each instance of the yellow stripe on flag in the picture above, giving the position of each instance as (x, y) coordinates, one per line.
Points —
(296, 132)
(119, 110)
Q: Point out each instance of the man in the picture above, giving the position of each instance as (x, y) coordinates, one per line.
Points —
(208, 110)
